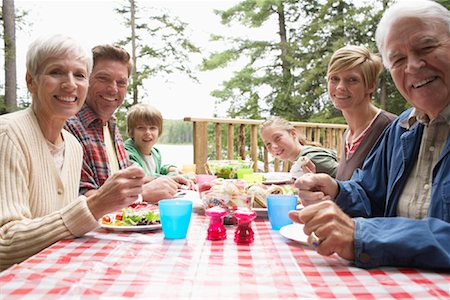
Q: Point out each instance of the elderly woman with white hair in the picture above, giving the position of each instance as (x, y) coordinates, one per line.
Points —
(401, 197)
(40, 162)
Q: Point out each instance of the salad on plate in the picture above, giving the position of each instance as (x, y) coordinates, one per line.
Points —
(136, 217)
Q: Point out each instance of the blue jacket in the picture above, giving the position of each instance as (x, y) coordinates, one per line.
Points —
(374, 192)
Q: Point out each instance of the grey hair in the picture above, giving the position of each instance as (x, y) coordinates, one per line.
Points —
(54, 46)
(425, 10)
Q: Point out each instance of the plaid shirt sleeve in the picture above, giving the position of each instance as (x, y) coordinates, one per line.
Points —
(88, 129)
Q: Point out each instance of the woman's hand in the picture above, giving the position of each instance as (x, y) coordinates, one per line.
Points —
(118, 191)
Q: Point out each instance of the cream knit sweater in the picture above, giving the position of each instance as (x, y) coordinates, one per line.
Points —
(38, 206)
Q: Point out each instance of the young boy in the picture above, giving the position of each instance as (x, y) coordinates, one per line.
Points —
(144, 126)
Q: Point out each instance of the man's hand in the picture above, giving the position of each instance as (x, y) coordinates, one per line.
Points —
(331, 225)
(314, 188)
(183, 181)
(163, 187)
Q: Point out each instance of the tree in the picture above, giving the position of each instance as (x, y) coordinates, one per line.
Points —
(333, 24)
(9, 38)
(287, 77)
(267, 74)
(159, 45)
(445, 3)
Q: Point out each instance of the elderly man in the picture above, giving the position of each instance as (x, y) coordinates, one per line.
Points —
(402, 193)
(95, 126)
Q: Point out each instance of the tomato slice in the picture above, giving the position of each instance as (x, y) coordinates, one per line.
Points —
(106, 219)
(119, 216)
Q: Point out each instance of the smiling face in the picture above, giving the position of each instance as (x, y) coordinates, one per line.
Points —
(108, 87)
(60, 89)
(347, 90)
(281, 143)
(419, 60)
(145, 137)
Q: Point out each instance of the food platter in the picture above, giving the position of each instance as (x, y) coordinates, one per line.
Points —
(294, 232)
(277, 178)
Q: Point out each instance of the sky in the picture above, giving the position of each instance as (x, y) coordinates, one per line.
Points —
(96, 22)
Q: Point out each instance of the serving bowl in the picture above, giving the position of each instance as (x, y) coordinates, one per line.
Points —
(226, 169)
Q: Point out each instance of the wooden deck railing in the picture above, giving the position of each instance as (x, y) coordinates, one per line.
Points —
(327, 135)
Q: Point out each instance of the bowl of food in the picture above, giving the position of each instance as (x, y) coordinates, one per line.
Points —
(226, 169)
(229, 199)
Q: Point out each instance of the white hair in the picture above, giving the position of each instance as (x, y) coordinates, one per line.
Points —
(425, 10)
(54, 46)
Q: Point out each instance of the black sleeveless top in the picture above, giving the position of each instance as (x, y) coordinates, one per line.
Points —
(347, 166)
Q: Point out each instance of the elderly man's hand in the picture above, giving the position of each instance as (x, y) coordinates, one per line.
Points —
(163, 187)
(331, 225)
(314, 188)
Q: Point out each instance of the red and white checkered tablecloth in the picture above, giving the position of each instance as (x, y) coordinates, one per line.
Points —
(105, 265)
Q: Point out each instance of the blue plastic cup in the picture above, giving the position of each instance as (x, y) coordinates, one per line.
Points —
(278, 207)
(175, 217)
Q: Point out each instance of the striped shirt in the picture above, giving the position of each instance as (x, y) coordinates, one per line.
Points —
(87, 127)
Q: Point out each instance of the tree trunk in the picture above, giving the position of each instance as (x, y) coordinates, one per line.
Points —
(9, 37)
(134, 83)
(283, 42)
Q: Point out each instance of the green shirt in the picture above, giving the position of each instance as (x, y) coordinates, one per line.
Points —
(135, 156)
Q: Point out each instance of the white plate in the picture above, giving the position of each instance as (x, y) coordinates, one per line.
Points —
(277, 178)
(280, 181)
(131, 228)
(294, 232)
(127, 227)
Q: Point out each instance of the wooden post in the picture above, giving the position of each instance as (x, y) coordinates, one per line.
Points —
(230, 141)
(218, 139)
(241, 142)
(254, 146)
(317, 136)
(266, 160)
(200, 146)
(276, 165)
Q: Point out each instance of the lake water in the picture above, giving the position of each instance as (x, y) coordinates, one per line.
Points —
(177, 155)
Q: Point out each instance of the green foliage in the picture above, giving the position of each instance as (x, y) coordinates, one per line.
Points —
(2, 105)
(176, 132)
(445, 3)
(288, 77)
(161, 45)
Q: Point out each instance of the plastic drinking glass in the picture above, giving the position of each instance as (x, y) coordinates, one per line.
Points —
(202, 178)
(243, 171)
(175, 217)
(189, 169)
(253, 178)
(278, 207)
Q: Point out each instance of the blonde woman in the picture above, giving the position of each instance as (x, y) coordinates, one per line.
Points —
(41, 162)
(352, 79)
(283, 142)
